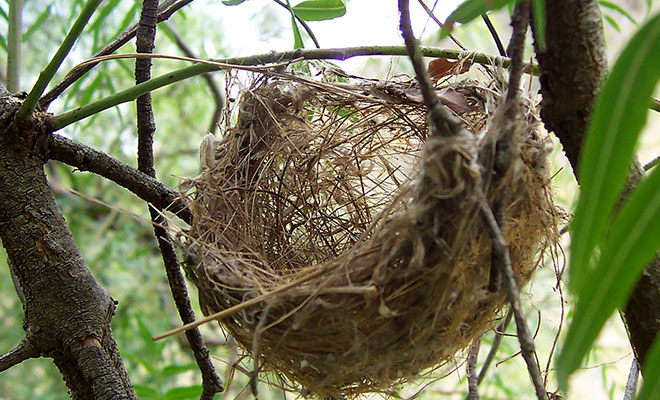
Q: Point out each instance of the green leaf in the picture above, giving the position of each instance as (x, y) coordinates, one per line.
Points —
(633, 241)
(172, 370)
(297, 37)
(184, 393)
(619, 9)
(37, 24)
(319, 10)
(145, 392)
(612, 22)
(232, 2)
(538, 14)
(606, 157)
(651, 386)
(471, 9)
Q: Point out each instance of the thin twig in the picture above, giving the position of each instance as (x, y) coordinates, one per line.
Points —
(631, 383)
(14, 45)
(499, 334)
(494, 35)
(443, 122)
(651, 163)
(146, 127)
(302, 22)
(165, 11)
(17, 355)
(473, 381)
(218, 96)
(49, 72)
(142, 185)
(655, 105)
(429, 12)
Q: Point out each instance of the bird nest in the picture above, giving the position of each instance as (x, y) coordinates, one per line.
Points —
(352, 236)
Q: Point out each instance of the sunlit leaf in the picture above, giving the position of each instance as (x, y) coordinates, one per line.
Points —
(172, 370)
(606, 157)
(471, 9)
(619, 9)
(319, 10)
(146, 392)
(184, 393)
(297, 37)
(633, 241)
(232, 2)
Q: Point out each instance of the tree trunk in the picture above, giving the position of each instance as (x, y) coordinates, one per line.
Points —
(573, 68)
(67, 313)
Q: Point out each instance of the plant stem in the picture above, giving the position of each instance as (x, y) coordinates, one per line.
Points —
(49, 72)
(130, 94)
(14, 45)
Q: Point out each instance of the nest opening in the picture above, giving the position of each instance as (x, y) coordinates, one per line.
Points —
(359, 230)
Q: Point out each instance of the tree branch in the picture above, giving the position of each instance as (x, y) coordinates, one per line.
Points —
(146, 128)
(165, 11)
(145, 187)
(631, 383)
(17, 355)
(499, 333)
(473, 381)
(14, 45)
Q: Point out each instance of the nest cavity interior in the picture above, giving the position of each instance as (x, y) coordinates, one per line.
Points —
(358, 231)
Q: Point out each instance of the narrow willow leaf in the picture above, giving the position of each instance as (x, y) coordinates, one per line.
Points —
(184, 393)
(37, 24)
(607, 153)
(612, 22)
(538, 14)
(469, 10)
(651, 385)
(633, 241)
(319, 10)
(619, 9)
(297, 37)
(232, 2)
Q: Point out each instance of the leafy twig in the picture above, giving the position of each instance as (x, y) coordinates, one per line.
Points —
(14, 45)
(49, 72)
(145, 187)
(165, 11)
(218, 96)
(17, 355)
(302, 22)
(146, 127)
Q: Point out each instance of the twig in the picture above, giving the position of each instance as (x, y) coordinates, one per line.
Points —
(651, 163)
(14, 46)
(49, 72)
(17, 355)
(215, 90)
(443, 122)
(145, 187)
(429, 12)
(146, 127)
(631, 383)
(499, 334)
(655, 105)
(165, 11)
(302, 22)
(493, 33)
(473, 381)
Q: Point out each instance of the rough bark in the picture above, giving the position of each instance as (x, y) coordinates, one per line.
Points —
(573, 68)
(67, 313)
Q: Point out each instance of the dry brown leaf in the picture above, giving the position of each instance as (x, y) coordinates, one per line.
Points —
(441, 67)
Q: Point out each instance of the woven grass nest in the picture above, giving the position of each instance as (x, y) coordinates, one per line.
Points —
(357, 231)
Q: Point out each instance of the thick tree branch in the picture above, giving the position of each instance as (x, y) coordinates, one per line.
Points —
(146, 127)
(165, 11)
(142, 185)
(23, 351)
